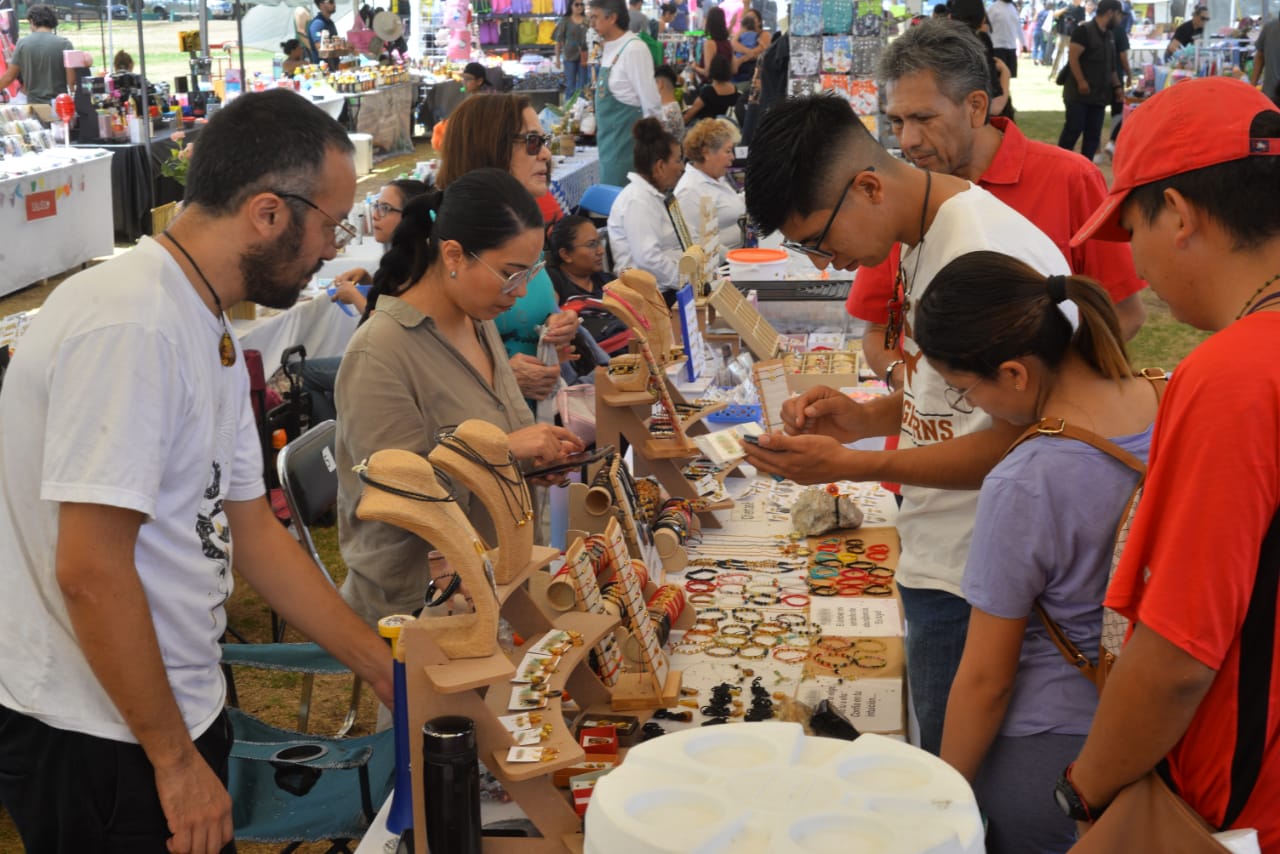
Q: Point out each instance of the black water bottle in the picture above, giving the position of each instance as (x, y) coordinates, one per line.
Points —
(451, 782)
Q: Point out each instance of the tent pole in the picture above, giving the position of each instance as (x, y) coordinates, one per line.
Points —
(146, 106)
(238, 10)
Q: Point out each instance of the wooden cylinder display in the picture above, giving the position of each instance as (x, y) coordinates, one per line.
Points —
(665, 607)
(401, 489)
(477, 455)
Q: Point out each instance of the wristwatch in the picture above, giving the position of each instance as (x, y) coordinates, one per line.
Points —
(1069, 800)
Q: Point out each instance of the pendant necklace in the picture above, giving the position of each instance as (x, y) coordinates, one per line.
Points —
(1250, 307)
(226, 347)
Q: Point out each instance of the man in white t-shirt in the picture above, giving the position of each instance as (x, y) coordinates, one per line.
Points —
(815, 174)
(129, 464)
(625, 91)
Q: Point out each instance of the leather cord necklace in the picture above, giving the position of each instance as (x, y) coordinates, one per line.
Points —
(451, 494)
(515, 492)
(226, 347)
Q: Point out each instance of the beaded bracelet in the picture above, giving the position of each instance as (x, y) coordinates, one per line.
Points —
(751, 616)
(834, 644)
(766, 640)
(700, 599)
(720, 652)
(868, 661)
(882, 573)
(877, 590)
(696, 586)
(702, 574)
(870, 645)
(753, 651)
(763, 600)
(795, 600)
(733, 589)
(732, 641)
(790, 654)
(684, 648)
(712, 614)
(736, 630)
(792, 621)
(771, 627)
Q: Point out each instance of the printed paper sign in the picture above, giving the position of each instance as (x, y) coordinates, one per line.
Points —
(858, 617)
(871, 705)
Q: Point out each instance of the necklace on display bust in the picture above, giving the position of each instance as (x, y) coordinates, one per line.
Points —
(226, 347)
(1250, 306)
(450, 495)
(515, 492)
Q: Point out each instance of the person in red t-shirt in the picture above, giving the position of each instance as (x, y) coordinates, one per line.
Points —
(1196, 175)
(937, 95)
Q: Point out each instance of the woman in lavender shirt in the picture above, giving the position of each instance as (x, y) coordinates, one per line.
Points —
(1045, 529)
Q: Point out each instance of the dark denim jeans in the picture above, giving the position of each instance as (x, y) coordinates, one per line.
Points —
(1086, 119)
(937, 623)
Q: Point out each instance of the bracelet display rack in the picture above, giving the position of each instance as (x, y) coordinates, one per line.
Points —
(628, 389)
(454, 665)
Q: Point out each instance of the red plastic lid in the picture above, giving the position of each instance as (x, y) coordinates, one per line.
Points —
(757, 256)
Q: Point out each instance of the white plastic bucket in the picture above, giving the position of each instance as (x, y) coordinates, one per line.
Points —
(758, 265)
(364, 152)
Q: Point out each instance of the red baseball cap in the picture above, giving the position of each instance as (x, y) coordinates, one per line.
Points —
(1189, 126)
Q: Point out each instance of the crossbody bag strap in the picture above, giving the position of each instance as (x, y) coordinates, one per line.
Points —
(1066, 646)
(1257, 649)
(1059, 427)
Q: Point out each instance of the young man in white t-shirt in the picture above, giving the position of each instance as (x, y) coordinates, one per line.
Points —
(819, 177)
(129, 464)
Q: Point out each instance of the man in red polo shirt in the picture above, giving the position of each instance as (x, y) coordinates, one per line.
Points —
(935, 76)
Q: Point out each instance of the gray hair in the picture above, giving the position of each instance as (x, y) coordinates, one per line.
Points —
(947, 48)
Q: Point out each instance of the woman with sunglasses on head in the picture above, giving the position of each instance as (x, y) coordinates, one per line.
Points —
(385, 216)
(1046, 524)
(647, 229)
(430, 356)
(319, 374)
(503, 132)
(570, 37)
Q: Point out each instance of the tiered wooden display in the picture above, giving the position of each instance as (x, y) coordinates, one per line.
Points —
(453, 664)
(627, 390)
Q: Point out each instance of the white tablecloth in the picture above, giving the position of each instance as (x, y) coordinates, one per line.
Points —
(571, 176)
(316, 322)
(80, 230)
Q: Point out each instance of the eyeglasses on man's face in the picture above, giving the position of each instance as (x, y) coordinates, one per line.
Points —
(343, 232)
(814, 249)
(958, 398)
(516, 280)
(533, 142)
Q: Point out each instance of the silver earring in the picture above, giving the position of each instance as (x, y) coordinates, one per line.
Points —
(453, 274)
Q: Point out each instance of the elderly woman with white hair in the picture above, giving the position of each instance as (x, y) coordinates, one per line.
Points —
(711, 204)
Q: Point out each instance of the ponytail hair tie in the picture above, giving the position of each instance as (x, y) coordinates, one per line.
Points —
(432, 212)
(1057, 286)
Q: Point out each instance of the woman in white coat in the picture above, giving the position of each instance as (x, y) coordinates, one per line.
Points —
(711, 204)
(646, 227)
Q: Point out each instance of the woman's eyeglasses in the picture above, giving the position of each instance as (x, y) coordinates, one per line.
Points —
(515, 280)
(593, 245)
(533, 142)
(381, 209)
(958, 398)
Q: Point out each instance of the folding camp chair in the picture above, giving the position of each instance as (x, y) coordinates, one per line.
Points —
(289, 787)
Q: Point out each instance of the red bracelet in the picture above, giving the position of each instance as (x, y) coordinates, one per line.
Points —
(795, 600)
(695, 586)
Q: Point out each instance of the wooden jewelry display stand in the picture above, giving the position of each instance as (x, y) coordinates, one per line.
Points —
(627, 390)
(474, 681)
(477, 455)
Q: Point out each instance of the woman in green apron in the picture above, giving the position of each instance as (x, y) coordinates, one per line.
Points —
(626, 74)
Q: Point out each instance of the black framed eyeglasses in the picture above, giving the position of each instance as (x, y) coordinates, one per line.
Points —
(958, 398)
(533, 142)
(343, 232)
(814, 249)
(381, 209)
(515, 280)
